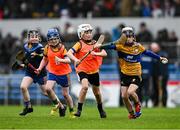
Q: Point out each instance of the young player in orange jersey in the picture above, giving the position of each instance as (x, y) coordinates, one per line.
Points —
(88, 69)
(58, 70)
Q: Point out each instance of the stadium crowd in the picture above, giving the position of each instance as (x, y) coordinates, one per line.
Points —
(88, 8)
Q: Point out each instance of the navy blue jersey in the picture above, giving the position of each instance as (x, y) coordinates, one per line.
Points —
(30, 49)
(147, 63)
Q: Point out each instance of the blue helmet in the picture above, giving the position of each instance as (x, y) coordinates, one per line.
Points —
(53, 33)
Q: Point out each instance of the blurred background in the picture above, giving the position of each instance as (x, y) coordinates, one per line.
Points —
(157, 27)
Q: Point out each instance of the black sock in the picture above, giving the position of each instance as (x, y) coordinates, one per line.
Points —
(132, 112)
(27, 104)
(71, 109)
(55, 102)
(136, 103)
(80, 106)
(100, 108)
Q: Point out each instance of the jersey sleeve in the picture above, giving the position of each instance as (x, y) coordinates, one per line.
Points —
(141, 48)
(40, 50)
(45, 51)
(118, 47)
(65, 52)
(121, 40)
(76, 47)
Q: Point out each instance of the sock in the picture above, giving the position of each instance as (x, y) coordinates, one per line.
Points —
(55, 102)
(27, 104)
(132, 112)
(100, 108)
(80, 106)
(136, 103)
(71, 109)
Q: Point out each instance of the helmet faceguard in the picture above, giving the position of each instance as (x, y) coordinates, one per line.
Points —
(129, 32)
(53, 37)
(82, 29)
(33, 36)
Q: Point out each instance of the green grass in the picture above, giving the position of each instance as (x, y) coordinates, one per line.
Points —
(155, 118)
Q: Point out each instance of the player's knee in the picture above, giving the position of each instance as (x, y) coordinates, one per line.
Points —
(48, 90)
(85, 88)
(23, 88)
(97, 93)
(130, 92)
(84, 82)
(98, 97)
(65, 94)
(124, 96)
(45, 93)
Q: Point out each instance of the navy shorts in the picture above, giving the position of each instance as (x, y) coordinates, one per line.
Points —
(40, 79)
(60, 79)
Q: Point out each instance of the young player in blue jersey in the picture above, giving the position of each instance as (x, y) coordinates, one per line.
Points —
(32, 54)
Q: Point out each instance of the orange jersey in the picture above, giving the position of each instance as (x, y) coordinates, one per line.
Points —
(91, 63)
(50, 53)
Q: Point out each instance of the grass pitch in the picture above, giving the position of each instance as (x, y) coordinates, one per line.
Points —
(154, 118)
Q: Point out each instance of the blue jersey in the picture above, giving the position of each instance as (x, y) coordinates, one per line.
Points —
(146, 63)
(29, 49)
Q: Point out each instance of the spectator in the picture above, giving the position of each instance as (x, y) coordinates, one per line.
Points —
(144, 34)
(146, 10)
(1, 13)
(108, 8)
(97, 33)
(168, 10)
(145, 89)
(173, 37)
(116, 32)
(156, 10)
(160, 78)
(177, 8)
(172, 49)
(162, 36)
(126, 6)
(55, 13)
(137, 8)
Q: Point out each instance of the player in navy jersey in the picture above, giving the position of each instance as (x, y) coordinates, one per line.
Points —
(33, 53)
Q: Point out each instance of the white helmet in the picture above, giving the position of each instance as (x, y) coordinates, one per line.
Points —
(127, 29)
(82, 28)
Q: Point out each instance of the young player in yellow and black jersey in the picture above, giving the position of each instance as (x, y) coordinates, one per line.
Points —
(129, 53)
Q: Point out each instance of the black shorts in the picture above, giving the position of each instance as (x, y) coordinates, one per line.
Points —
(92, 78)
(126, 80)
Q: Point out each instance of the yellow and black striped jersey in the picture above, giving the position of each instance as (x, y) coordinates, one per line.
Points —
(129, 58)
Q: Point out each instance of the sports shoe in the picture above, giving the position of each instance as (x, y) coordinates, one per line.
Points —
(62, 111)
(25, 111)
(54, 111)
(132, 116)
(138, 110)
(78, 113)
(71, 114)
(102, 114)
